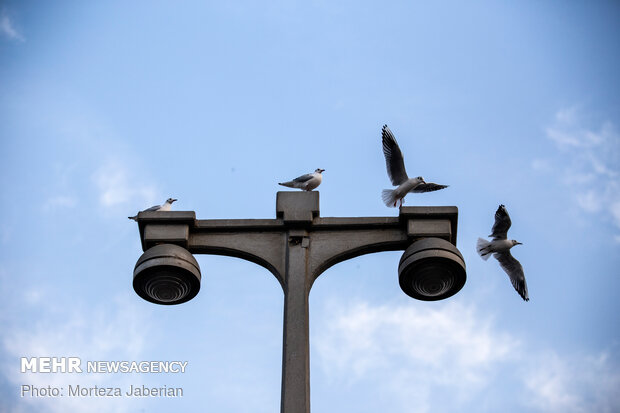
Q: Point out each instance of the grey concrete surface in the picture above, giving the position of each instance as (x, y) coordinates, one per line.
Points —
(297, 247)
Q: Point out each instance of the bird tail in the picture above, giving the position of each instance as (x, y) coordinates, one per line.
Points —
(287, 184)
(135, 218)
(388, 197)
(482, 246)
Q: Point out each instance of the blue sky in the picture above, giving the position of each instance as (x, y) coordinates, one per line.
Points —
(109, 108)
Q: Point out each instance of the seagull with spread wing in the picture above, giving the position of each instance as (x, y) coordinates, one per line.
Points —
(398, 175)
(500, 247)
(164, 207)
(306, 182)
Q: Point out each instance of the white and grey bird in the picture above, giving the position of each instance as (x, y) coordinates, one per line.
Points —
(398, 175)
(500, 247)
(306, 182)
(164, 207)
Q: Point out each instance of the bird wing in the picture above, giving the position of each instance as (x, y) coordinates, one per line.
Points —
(502, 223)
(393, 157)
(303, 178)
(515, 271)
(428, 187)
(153, 208)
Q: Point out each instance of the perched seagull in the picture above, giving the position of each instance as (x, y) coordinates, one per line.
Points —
(398, 174)
(164, 207)
(306, 182)
(500, 248)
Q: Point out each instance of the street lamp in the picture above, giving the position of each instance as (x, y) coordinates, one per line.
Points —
(296, 247)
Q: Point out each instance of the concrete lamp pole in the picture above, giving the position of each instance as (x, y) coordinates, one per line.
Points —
(296, 248)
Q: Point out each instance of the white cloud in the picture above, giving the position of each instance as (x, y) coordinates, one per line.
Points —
(7, 29)
(589, 201)
(413, 347)
(542, 165)
(81, 331)
(60, 201)
(574, 384)
(563, 138)
(415, 354)
(590, 158)
(615, 211)
(568, 130)
(117, 187)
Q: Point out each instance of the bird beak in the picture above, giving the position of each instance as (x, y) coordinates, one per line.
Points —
(519, 243)
(173, 200)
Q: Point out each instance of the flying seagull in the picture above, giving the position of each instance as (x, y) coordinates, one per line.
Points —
(306, 182)
(164, 207)
(500, 247)
(396, 171)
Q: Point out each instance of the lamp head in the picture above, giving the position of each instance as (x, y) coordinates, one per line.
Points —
(431, 269)
(166, 274)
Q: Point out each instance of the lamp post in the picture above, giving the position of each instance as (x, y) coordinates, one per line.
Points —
(296, 247)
